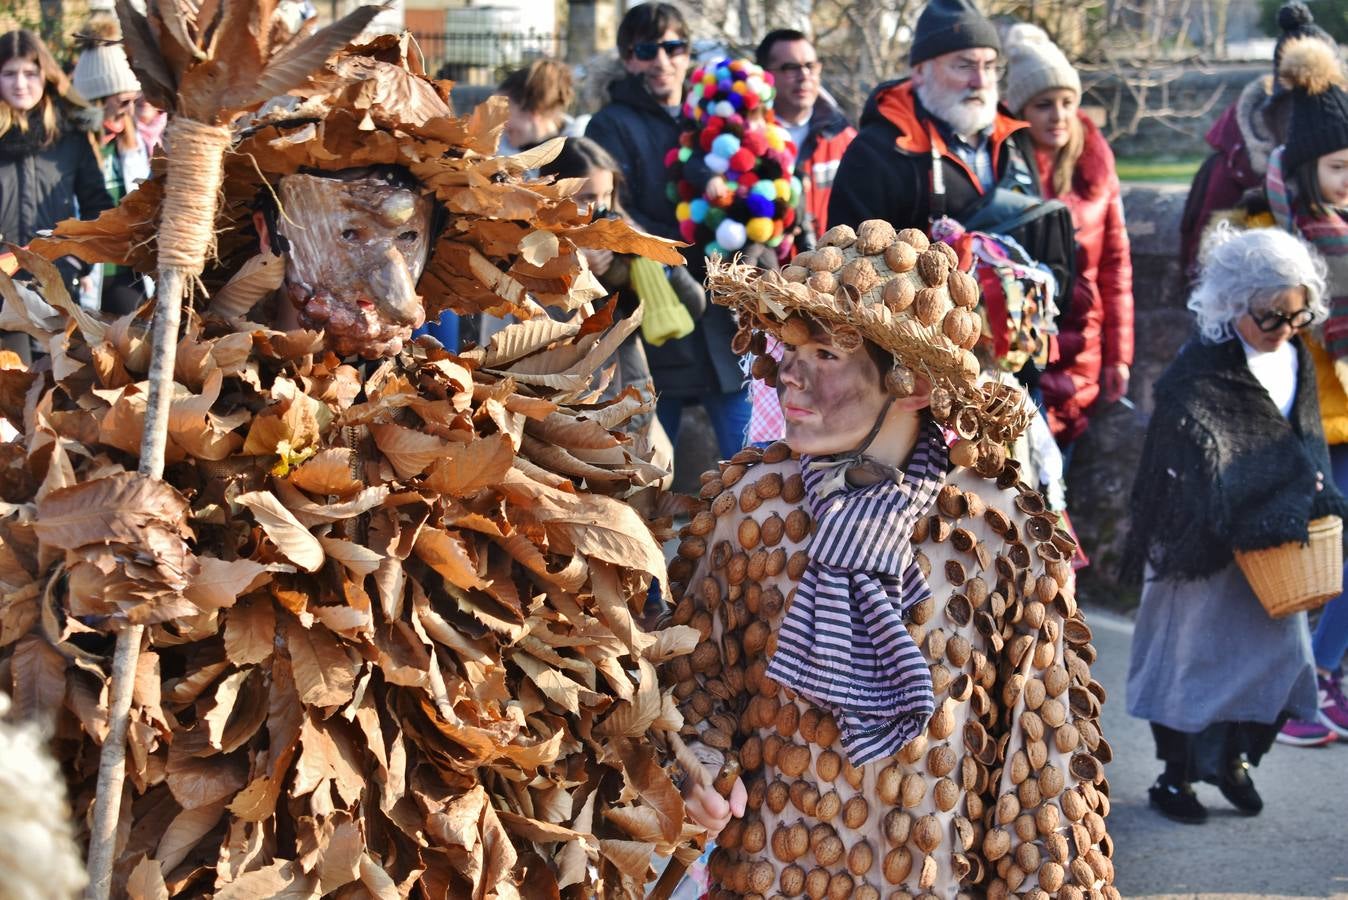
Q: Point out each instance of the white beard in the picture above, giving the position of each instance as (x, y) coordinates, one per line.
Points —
(964, 118)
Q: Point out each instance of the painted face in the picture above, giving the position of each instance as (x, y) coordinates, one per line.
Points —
(1290, 303)
(21, 84)
(663, 73)
(830, 397)
(1050, 114)
(960, 88)
(795, 69)
(1331, 171)
(596, 193)
(357, 249)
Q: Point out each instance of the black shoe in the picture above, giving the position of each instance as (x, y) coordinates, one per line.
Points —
(1177, 802)
(1239, 791)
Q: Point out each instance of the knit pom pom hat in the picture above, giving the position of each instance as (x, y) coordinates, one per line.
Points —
(103, 71)
(1294, 21)
(756, 161)
(1034, 64)
(1319, 122)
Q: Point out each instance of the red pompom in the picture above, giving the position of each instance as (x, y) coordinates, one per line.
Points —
(756, 142)
(686, 191)
(671, 157)
(789, 217)
(705, 140)
(743, 160)
(747, 181)
(688, 230)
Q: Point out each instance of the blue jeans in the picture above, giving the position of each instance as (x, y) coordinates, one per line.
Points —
(729, 414)
(1330, 640)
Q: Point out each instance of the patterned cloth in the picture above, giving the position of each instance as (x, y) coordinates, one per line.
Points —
(843, 644)
(766, 423)
(1329, 235)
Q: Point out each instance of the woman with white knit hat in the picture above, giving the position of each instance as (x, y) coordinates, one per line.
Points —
(1076, 166)
(103, 76)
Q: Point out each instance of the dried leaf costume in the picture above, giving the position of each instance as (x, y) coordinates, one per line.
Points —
(1002, 792)
(390, 647)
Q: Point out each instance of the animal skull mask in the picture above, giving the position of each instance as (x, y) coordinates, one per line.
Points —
(357, 248)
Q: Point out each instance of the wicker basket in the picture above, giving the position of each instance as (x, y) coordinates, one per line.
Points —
(1294, 576)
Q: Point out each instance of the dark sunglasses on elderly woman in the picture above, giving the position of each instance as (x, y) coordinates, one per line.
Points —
(647, 50)
(1272, 320)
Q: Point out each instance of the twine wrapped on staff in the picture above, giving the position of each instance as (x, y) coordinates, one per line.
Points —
(205, 72)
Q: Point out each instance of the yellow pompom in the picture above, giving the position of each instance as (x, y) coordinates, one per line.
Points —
(783, 188)
(759, 230)
(683, 211)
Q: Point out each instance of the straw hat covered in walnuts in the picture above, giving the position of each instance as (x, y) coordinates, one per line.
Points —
(901, 292)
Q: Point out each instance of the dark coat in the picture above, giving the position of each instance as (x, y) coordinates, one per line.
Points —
(42, 186)
(1097, 329)
(639, 132)
(1222, 470)
(817, 161)
(886, 171)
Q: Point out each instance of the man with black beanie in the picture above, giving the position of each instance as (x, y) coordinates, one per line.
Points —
(947, 111)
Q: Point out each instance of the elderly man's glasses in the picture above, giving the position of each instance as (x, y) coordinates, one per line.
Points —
(648, 50)
(969, 68)
(1272, 320)
(799, 70)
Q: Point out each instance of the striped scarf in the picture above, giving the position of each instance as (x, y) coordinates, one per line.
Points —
(843, 644)
(1329, 235)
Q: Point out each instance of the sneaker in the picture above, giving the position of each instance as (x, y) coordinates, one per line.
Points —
(1333, 705)
(1239, 791)
(1177, 802)
(1298, 733)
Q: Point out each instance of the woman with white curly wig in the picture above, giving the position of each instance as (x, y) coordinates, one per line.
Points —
(1235, 459)
(38, 856)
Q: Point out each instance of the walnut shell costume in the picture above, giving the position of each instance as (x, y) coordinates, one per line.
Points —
(1004, 793)
(900, 291)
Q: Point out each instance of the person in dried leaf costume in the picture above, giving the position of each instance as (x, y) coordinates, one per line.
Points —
(893, 658)
(388, 590)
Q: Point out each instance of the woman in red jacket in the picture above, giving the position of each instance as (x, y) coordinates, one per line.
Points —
(1095, 342)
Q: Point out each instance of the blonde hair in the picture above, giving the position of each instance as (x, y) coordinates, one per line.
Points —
(543, 87)
(1068, 155)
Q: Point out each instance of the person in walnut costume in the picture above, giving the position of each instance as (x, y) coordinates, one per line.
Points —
(894, 661)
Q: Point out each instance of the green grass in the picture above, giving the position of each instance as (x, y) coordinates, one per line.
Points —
(1159, 169)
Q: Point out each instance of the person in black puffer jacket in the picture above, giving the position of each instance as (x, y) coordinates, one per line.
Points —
(638, 128)
(48, 168)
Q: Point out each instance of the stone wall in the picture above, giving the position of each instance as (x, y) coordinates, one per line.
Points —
(1105, 458)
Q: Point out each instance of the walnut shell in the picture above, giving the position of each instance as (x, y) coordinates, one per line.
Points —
(961, 327)
(1066, 738)
(855, 812)
(860, 273)
(772, 749)
(900, 256)
(829, 850)
(793, 760)
(1028, 793)
(897, 865)
(824, 283)
(840, 236)
(795, 274)
(942, 722)
(963, 289)
(804, 797)
(797, 525)
(840, 886)
(912, 789)
(996, 844)
(748, 533)
(900, 381)
(787, 719)
(1008, 807)
(761, 876)
(828, 730)
(915, 237)
(933, 266)
(754, 837)
(930, 305)
(828, 807)
(828, 766)
(860, 858)
(794, 488)
(1074, 806)
(946, 794)
(887, 783)
(816, 884)
(777, 796)
(941, 760)
(874, 236)
(791, 882)
(927, 833)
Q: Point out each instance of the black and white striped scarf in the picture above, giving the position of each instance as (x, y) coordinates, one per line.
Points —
(843, 644)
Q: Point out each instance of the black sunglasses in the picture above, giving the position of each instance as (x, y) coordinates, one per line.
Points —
(647, 50)
(1272, 320)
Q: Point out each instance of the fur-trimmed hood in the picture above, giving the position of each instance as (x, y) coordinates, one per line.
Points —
(601, 72)
(1094, 173)
(1245, 126)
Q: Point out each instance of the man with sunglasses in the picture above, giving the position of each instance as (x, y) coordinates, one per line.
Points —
(639, 128)
(817, 127)
(640, 123)
(947, 111)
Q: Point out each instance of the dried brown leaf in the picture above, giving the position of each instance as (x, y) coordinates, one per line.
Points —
(325, 673)
(293, 540)
(465, 469)
(250, 631)
(146, 881)
(218, 584)
(186, 831)
(328, 472)
(409, 452)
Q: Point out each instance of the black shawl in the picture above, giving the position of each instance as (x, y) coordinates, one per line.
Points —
(1221, 469)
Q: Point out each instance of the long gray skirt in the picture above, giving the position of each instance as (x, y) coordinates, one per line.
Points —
(1205, 651)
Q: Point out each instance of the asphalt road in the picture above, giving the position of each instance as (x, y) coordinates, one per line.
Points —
(1298, 846)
